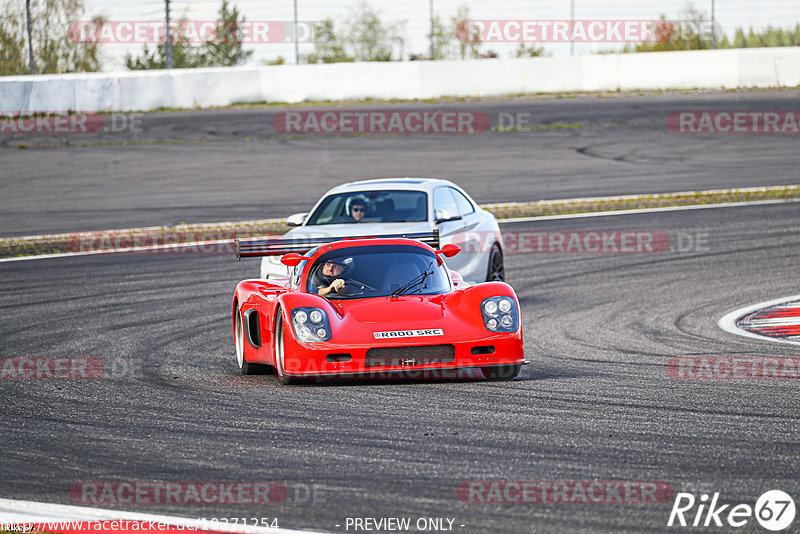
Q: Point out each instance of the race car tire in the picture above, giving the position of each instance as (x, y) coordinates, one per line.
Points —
(502, 372)
(496, 271)
(245, 367)
(280, 354)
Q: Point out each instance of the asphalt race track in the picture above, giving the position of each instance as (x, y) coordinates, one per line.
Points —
(622, 147)
(597, 402)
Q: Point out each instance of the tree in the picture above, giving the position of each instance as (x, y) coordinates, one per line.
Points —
(369, 39)
(529, 51)
(443, 37)
(754, 40)
(54, 48)
(469, 41)
(688, 35)
(739, 41)
(184, 56)
(13, 59)
(328, 45)
(455, 40)
(225, 49)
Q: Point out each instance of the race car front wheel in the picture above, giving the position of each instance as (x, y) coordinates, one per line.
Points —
(245, 367)
(502, 372)
(280, 353)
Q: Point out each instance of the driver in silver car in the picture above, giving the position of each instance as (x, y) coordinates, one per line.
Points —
(358, 208)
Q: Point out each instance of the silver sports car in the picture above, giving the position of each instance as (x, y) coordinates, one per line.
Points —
(392, 206)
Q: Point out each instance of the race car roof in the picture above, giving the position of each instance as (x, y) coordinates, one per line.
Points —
(378, 184)
(370, 242)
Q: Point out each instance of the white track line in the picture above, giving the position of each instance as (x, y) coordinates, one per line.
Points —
(197, 244)
(647, 210)
(728, 323)
(14, 511)
(757, 189)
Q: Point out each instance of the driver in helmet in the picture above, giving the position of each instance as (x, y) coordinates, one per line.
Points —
(358, 208)
(327, 278)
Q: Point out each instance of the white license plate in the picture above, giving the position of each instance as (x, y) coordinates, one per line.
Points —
(409, 333)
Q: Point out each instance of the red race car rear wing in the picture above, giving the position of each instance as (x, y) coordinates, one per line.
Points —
(252, 247)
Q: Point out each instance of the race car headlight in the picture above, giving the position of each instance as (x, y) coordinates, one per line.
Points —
(310, 325)
(275, 260)
(500, 314)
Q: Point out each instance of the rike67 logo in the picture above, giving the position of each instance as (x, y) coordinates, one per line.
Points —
(774, 511)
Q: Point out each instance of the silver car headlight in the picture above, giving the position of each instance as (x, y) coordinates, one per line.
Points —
(500, 314)
(311, 325)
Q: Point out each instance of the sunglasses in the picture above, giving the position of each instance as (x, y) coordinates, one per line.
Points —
(357, 209)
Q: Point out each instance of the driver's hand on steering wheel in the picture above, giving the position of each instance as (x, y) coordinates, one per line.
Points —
(337, 284)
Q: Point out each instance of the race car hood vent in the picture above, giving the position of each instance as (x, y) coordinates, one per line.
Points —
(412, 308)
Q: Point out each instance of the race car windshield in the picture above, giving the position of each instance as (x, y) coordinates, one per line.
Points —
(371, 206)
(378, 271)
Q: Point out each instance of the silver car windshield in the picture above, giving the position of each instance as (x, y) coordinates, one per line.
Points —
(371, 206)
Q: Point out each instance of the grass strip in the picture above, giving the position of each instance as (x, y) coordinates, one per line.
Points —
(545, 208)
(185, 234)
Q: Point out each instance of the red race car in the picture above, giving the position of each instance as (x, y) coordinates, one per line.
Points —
(372, 307)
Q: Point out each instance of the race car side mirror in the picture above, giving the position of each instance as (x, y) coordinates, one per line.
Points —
(449, 250)
(291, 259)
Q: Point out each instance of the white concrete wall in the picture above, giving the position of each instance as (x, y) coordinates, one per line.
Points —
(189, 88)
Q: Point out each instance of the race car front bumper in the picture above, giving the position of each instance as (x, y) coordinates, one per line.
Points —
(330, 359)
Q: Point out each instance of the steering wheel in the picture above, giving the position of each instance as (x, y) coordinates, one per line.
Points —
(355, 287)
